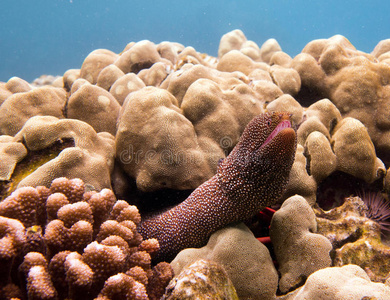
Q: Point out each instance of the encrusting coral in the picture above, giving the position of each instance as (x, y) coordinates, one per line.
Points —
(355, 238)
(204, 279)
(244, 184)
(62, 242)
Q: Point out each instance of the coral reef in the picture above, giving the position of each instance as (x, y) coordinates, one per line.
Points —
(355, 153)
(327, 144)
(244, 184)
(356, 82)
(355, 238)
(124, 85)
(51, 80)
(138, 56)
(246, 261)
(153, 123)
(236, 40)
(11, 153)
(62, 242)
(299, 250)
(201, 280)
(95, 62)
(168, 133)
(21, 106)
(56, 148)
(13, 85)
(95, 106)
(339, 283)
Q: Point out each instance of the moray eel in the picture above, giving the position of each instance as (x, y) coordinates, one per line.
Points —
(250, 178)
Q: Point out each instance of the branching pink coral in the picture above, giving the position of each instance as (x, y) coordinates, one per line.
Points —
(87, 242)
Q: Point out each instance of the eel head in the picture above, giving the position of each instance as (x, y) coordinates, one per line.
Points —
(260, 163)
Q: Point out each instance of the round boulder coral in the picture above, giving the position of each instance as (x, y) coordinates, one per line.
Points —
(246, 261)
(160, 149)
(298, 249)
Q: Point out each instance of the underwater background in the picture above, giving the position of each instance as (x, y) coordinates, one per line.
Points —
(149, 169)
(51, 36)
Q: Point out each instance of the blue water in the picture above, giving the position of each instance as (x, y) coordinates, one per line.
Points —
(50, 36)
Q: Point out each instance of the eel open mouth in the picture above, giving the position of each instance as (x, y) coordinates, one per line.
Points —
(281, 126)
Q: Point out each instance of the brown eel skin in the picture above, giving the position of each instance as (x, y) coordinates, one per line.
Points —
(253, 176)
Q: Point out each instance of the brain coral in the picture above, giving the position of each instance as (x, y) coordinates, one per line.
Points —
(89, 245)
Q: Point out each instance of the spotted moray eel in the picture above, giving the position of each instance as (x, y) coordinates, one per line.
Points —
(251, 177)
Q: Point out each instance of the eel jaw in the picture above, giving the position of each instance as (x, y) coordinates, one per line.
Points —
(280, 146)
(283, 144)
(283, 125)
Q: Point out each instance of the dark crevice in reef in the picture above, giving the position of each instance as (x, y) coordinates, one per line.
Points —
(308, 95)
(137, 67)
(300, 282)
(332, 125)
(159, 201)
(332, 191)
(32, 161)
(384, 155)
(150, 203)
(308, 162)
